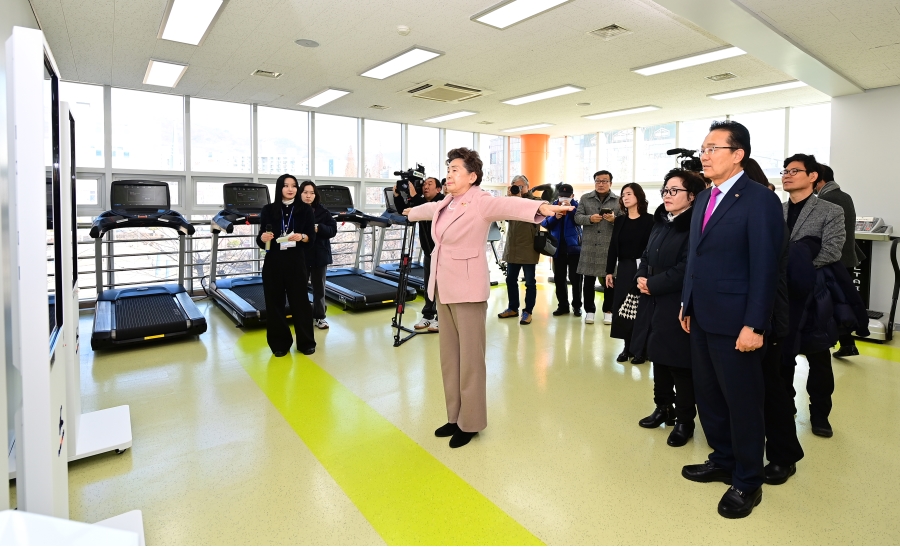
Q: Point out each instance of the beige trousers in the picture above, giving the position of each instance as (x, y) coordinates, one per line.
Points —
(463, 341)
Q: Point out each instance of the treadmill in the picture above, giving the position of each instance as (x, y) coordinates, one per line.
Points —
(139, 314)
(355, 288)
(241, 297)
(391, 270)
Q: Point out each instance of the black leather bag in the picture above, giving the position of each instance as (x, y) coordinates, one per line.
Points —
(545, 243)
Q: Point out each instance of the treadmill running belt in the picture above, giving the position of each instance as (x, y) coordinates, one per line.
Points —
(253, 294)
(372, 290)
(143, 316)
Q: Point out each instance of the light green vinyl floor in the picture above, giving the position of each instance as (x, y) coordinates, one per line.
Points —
(232, 446)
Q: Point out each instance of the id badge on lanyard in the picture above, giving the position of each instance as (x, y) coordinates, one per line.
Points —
(283, 243)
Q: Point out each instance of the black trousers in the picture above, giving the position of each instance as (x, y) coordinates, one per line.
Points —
(782, 445)
(430, 309)
(589, 293)
(730, 393)
(609, 294)
(819, 383)
(317, 279)
(675, 386)
(284, 273)
(564, 267)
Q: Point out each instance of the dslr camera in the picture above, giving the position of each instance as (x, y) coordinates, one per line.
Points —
(687, 159)
(414, 176)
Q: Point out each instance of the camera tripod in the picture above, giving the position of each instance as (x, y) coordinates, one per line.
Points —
(406, 253)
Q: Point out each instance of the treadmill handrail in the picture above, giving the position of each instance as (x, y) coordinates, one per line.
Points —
(111, 220)
(226, 219)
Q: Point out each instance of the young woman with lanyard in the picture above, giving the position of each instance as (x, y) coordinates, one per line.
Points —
(284, 271)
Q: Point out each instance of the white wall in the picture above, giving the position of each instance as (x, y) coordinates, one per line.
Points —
(865, 147)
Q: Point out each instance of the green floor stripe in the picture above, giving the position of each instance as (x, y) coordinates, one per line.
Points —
(882, 351)
(408, 496)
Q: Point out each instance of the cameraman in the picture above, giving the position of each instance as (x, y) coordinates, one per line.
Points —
(431, 191)
(519, 254)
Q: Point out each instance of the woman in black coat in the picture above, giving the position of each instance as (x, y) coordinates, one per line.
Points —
(318, 255)
(660, 278)
(284, 269)
(629, 239)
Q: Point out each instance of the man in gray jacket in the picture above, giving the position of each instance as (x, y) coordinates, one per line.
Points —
(851, 256)
(520, 255)
(597, 212)
(808, 216)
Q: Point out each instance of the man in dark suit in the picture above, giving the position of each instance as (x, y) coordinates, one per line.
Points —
(727, 303)
(827, 189)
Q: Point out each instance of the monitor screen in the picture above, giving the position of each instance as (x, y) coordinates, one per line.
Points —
(336, 198)
(245, 197)
(140, 196)
(52, 155)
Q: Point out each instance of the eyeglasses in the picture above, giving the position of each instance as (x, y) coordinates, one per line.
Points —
(710, 149)
(793, 172)
(601, 181)
(671, 191)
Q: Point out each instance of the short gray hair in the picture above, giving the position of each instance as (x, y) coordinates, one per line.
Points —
(520, 177)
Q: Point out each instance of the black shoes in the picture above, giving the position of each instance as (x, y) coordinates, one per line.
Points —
(279, 353)
(680, 434)
(560, 311)
(778, 474)
(624, 356)
(638, 360)
(707, 472)
(736, 504)
(659, 416)
(821, 427)
(847, 351)
(577, 312)
(308, 351)
(446, 430)
(461, 438)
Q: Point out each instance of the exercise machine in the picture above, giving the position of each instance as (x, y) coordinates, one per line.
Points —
(133, 315)
(353, 287)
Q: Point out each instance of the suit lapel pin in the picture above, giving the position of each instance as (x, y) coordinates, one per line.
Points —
(737, 195)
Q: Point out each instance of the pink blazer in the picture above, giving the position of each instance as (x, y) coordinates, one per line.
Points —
(459, 263)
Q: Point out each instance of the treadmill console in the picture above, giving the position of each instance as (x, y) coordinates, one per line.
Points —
(339, 201)
(139, 203)
(243, 205)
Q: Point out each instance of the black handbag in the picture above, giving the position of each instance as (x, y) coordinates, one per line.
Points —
(545, 243)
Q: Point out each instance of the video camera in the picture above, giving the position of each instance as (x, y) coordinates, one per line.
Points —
(413, 175)
(687, 159)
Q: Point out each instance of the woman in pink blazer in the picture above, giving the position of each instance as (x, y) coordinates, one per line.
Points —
(460, 284)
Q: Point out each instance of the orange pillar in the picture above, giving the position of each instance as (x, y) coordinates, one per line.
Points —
(534, 158)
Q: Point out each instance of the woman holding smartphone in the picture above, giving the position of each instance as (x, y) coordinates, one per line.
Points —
(284, 270)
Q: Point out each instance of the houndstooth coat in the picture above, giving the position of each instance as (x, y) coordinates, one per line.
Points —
(596, 237)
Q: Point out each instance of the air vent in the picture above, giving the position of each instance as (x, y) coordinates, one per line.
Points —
(485, 123)
(445, 92)
(610, 32)
(722, 76)
(266, 74)
(379, 107)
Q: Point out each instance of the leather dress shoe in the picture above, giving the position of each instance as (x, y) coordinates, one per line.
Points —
(680, 434)
(560, 311)
(778, 474)
(461, 438)
(308, 351)
(279, 353)
(446, 430)
(624, 356)
(638, 360)
(821, 427)
(847, 351)
(706, 472)
(577, 312)
(662, 414)
(736, 504)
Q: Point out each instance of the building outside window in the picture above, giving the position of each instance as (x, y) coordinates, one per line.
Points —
(515, 157)
(147, 130)
(86, 106)
(283, 141)
(220, 136)
(382, 148)
(652, 144)
(424, 147)
(337, 149)
(617, 154)
(490, 148)
(581, 158)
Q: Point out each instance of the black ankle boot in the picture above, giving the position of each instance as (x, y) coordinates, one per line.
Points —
(680, 434)
(665, 414)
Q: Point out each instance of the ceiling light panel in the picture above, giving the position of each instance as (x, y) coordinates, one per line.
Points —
(188, 21)
(541, 95)
(451, 116)
(164, 74)
(692, 60)
(625, 112)
(323, 97)
(508, 13)
(527, 127)
(757, 90)
(406, 60)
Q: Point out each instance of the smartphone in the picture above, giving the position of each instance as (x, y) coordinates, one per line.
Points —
(605, 211)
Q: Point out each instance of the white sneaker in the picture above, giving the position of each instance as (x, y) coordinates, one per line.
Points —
(320, 323)
(424, 324)
(589, 318)
(433, 327)
(607, 318)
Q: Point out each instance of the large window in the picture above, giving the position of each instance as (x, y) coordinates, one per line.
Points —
(87, 191)
(652, 161)
(555, 166)
(220, 136)
(581, 158)
(617, 154)
(423, 146)
(459, 139)
(382, 146)
(515, 157)
(147, 130)
(810, 131)
(490, 148)
(337, 149)
(692, 133)
(766, 138)
(86, 105)
(209, 192)
(283, 141)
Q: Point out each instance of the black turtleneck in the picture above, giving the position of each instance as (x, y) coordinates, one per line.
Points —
(794, 210)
